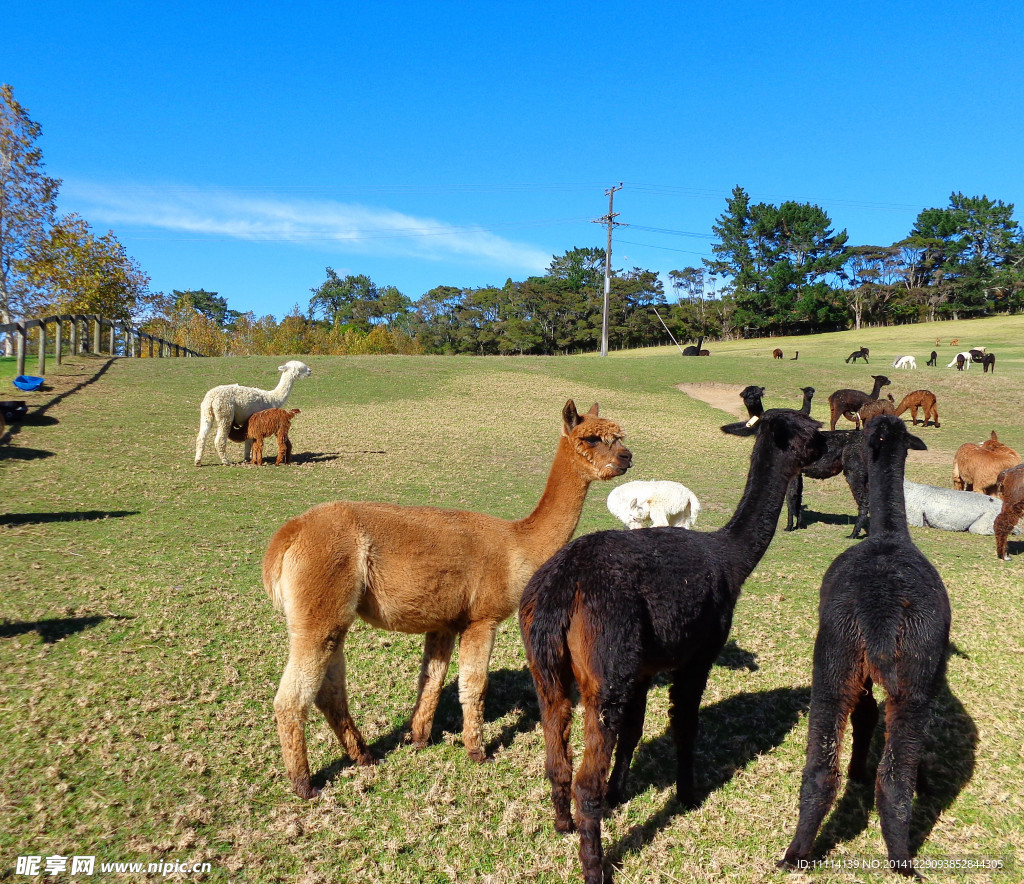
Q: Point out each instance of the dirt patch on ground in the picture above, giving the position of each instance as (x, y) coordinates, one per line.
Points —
(725, 397)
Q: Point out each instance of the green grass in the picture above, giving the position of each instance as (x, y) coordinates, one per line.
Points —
(139, 655)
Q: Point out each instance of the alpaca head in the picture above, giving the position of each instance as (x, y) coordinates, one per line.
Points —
(596, 441)
(786, 430)
(751, 397)
(888, 433)
(293, 366)
(639, 513)
(807, 391)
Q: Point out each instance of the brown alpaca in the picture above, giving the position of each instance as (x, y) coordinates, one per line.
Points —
(977, 467)
(776, 353)
(874, 407)
(924, 399)
(1010, 486)
(953, 342)
(445, 573)
(269, 422)
(846, 403)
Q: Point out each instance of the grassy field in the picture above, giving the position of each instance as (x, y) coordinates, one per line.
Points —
(139, 654)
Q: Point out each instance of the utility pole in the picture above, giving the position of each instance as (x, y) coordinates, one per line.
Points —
(608, 219)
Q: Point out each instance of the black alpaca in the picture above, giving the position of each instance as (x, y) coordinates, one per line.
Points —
(846, 403)
(862, 353)
(751, 396)
(989, 362)
(694, 351)
(934, 359)
(796, 355)
(883, 617)
(842, 455)
(621, 606)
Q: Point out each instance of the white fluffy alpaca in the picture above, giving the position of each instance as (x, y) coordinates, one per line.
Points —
(232, 403)
(658, 504)
(904, 362)
(951, 510)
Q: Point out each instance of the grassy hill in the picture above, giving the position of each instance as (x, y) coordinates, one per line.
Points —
(139, 654)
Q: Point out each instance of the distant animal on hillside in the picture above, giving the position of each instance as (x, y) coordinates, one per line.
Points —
(796, 355)
(977, 354)
(923, 399)
(776, 353)
(694, 350)
(962, 361)
(989, 362)
(862, 353)
(904, 362)
(704, 353)
(934, 359)
(953, 342)
(270, 422)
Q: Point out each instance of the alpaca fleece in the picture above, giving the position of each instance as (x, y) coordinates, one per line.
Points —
(923, 399)
(1010, 485)
(846, 403)
(977, 467)
(612, 609)
(883, 618)
(930, 506)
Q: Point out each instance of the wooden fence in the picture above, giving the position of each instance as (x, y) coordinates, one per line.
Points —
(79, 341)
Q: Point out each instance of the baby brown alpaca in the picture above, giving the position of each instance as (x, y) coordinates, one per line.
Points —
(269, 422)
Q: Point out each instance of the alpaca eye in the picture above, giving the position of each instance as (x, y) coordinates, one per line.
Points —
(592, 440)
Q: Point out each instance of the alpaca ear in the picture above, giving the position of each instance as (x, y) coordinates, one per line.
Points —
(282, 368)
(915, 443)
(593, 410)
(570, 418)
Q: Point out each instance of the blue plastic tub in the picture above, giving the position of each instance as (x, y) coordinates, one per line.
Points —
(27, 382)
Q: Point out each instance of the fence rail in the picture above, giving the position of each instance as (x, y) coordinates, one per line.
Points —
(79, 343)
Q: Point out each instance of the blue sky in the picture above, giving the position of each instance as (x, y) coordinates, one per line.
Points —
(244, 148)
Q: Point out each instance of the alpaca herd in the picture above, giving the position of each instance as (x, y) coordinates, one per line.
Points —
(602, 616)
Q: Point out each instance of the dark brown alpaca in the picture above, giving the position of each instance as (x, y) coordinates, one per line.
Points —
(269, 422)
(446, 574)
(776, 353)
(612, 609)
(923, 399)
(846, 403)
(883, 619)
(1009, 486)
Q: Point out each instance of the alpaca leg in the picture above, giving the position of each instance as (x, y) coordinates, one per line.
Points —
(300, 685)
(629, 735)
(257, 451)
(475, 647)
(287, 450)
(556, 721)
(437, 654)
(833, 694)
(864, 719)
(935, 417)
(282, 436)
(794, 501)
(600, 726)
(906, 730)
(248, 450)
(205, 426)
(1004, 524)
(684, 705)
(332, 701)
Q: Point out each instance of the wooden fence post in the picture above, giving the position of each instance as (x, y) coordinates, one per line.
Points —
(20, 335)
(58, 340)
(74, 335)
(42, 349)
(96, 335)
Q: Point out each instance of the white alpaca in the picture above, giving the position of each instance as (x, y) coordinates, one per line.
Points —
(905, 362)
(232, 403)
(950, 510)
(657, 504)
(967, 360)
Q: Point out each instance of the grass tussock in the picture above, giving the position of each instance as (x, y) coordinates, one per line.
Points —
(139, 655)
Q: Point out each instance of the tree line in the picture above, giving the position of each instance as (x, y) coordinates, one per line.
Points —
(776, 269)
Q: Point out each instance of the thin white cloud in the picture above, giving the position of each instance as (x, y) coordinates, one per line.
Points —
(349, 227)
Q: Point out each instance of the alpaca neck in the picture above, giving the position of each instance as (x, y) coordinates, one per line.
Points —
(283, 389)
(751, 529)
(806, 407)
(552, 523)
(886, 501)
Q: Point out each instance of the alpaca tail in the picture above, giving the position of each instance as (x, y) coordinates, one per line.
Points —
(545, 614)
(274, 579)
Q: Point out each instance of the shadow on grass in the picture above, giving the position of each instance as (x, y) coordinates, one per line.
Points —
(12, 519)
(845, 520)
(11, 452)
(948, 767)
(37, 416)
(52, 630)
(732, 734)
(313, 457)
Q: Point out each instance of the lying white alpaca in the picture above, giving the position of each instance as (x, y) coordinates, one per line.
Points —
(232, 403)
(904, 362)
(658, 504)
(950, 510)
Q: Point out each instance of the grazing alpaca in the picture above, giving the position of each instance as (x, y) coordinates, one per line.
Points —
(989, 362)
(751, 396)
(230, 404)
(976, 467)
(776, 353)
(269, 422)
(862, 353)
(904, 362)
(1010, 486)
(661, 504)
(612, 609)
(933, 359)
(445, 573)
(929, 506)
(846, 403)
(883, 617)
(954, 342)
(924, 399)
(961, 361)
(874, 407)
(977, 354)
